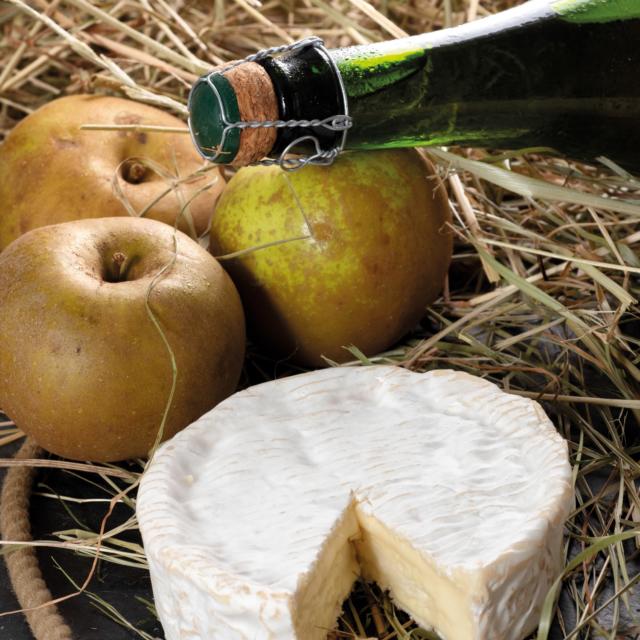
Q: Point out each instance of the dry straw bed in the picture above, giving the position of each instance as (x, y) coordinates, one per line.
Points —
(541, 298)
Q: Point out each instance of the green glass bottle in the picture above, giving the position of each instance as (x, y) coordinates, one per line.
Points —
(557, 73)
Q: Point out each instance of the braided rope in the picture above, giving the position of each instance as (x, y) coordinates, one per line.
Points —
(30, 589)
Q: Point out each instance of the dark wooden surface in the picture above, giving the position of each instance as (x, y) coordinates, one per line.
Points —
(118, 585)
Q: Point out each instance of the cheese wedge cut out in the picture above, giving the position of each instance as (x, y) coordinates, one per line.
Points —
(258, 518)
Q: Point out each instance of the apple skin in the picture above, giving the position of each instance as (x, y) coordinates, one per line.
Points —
(51, 171)
(378, 255)
(83, 370)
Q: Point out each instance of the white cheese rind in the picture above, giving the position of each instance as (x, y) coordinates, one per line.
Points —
(465, 481)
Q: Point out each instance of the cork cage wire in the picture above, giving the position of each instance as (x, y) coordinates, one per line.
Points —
(338, 123)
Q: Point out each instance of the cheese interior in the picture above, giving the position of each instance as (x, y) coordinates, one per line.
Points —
(321, 592)
(361, 545)
(435, 601)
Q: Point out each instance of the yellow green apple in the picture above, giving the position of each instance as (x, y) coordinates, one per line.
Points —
(83, 368)
(328, 257)
(53, 171)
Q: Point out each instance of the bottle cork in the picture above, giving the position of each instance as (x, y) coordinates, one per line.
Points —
(257, 102)
(245, 93)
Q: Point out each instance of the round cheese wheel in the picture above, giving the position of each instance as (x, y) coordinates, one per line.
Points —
(446, 491)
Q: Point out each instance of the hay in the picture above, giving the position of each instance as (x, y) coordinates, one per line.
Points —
(541, 298)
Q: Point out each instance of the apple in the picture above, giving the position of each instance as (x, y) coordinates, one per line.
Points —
(83, 369)
(52, 171)
(334, 256)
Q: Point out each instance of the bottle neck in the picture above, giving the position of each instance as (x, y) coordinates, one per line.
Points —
(541, 74)
(308, 88)
(554, 73)
(312, 83)
(360, 62)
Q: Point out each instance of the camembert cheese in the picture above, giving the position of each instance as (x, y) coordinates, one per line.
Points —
(258, 518)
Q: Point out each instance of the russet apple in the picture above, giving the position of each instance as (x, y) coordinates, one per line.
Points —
(334, 256)
(83, 369)
(53, 171)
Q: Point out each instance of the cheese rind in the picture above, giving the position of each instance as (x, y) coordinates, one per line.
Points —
(258, 518)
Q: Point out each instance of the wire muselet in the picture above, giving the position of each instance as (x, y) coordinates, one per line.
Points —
(339, 122)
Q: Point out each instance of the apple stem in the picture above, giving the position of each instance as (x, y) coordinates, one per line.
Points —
(133, 171)
(118, 260)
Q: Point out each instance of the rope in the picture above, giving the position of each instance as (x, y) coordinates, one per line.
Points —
(32, 592)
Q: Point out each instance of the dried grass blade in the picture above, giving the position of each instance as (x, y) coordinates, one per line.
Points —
(620, 403)
(472, 222)
(533, 187)
(546, 616)
(78, 46)
(281, 33)
(360, 35)
(142, 57)
(563, 255)
(381, 20)
(66, 464)
(159, 49)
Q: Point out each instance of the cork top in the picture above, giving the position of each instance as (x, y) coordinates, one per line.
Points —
(244, 93)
